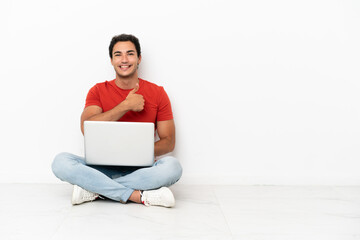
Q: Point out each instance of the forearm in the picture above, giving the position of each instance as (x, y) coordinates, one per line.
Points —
(164, 146)
(112, 115)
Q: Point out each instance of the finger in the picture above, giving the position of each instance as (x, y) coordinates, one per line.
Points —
(135, 89)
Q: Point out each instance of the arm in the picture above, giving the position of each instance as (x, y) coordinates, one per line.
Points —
(166, 132)
(95, 113)
(133, 102)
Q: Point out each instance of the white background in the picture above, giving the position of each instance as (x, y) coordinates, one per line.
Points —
(263, 92)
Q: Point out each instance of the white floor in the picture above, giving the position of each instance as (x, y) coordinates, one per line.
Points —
(43, 211)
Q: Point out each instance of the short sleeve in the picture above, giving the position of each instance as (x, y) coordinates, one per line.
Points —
(164, 107)
(93, 97)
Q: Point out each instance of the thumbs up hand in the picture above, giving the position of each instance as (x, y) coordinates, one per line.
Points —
(134, 101)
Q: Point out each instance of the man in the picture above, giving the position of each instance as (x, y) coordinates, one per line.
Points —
(131, 99)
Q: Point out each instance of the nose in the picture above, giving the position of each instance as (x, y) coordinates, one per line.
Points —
(124, 59)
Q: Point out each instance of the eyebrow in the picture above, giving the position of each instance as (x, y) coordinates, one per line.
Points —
(126, 51)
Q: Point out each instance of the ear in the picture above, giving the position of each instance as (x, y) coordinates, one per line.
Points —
(139, 60)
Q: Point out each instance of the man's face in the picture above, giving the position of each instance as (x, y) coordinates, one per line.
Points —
(125, 59)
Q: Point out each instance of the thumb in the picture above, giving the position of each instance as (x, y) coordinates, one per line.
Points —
(135, 89)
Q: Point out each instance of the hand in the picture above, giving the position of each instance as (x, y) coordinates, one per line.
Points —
(135, 102)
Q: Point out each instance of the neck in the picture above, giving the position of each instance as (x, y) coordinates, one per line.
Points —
(126, 82)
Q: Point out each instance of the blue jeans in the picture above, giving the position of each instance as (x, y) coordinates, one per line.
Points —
(116, 182)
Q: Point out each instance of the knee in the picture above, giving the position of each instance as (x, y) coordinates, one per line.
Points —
(173, 167)
(60, 165)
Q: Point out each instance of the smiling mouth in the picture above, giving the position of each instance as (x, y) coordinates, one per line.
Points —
(124, 67)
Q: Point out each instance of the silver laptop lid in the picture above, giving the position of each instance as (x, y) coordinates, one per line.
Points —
(119, 143)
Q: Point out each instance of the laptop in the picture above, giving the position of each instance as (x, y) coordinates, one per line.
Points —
(119, 143)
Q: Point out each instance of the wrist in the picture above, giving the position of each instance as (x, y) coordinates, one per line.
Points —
(125, 105)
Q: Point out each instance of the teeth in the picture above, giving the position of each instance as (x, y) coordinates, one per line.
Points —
(124, 66)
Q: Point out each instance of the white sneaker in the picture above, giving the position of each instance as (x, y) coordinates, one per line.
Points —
(160, 197)
(81, 195)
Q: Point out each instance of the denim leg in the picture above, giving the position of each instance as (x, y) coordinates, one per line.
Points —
(71, 168)
(165, 172)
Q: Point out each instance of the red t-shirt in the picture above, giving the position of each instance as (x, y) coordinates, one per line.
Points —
(157, 107)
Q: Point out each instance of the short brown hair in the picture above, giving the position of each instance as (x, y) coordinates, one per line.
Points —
(125, 38)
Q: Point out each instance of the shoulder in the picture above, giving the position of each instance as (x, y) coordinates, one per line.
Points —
(102, 85)
(151, 88)
(105, 84)
(149, 85)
